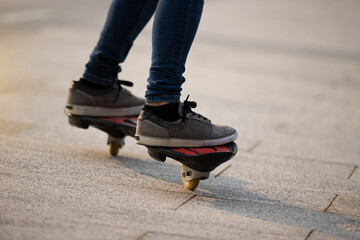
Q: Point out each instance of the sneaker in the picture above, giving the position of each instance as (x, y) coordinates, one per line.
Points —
(190, 130)
(114, 101)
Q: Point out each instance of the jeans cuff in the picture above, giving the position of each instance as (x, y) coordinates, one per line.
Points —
(163, 98)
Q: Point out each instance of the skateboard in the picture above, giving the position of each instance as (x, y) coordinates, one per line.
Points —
(197, 162)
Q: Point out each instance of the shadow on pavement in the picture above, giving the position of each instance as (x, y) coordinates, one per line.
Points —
(229, 194)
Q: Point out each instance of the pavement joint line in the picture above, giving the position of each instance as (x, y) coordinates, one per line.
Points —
(352, 172)
(193, 196)
(143, 235)
(307, 237)
(86, 223)
(217, 175)
(255, 145)
(157, 189)
(271, 202)
(56, 177)
(326, 209)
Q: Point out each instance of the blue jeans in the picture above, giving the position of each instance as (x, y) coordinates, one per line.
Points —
(174, 29)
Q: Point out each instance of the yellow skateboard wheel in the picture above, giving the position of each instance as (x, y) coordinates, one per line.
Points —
(190, 185)
(114, 149)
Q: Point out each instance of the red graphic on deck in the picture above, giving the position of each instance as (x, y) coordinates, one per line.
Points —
(183, 151)
(200, 150)
(123, 120)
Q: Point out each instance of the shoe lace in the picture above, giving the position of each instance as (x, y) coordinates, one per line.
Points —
(125, 83)
(188, 105)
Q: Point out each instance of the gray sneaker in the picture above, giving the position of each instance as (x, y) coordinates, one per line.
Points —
(111, 102)
(191, 130)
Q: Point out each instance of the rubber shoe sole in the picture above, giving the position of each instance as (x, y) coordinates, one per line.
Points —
(102, 111)
(176, 142)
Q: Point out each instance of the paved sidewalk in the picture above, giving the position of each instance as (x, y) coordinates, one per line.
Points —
(286, 75)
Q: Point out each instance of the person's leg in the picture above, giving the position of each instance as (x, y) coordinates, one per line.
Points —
(174, 29)
(125, 20)
(164, 121)
(99, 93)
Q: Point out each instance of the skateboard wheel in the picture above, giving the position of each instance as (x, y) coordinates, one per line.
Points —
(114, 148)
(189, 184)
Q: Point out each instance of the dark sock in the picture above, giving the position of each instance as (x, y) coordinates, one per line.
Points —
(93, 85)
(168, 112)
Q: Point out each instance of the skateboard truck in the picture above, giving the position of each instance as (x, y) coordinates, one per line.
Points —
(189, 174)
(191, 178)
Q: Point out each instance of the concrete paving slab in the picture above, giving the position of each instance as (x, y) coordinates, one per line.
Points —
(346, 205)
(288, 216)
(52, 199)
(319, 236)
(93, 168)
(303, 183)
(309, 149)
(62, 230)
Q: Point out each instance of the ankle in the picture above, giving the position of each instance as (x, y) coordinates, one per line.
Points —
(93, 85)
(156, 104)
(168, 111)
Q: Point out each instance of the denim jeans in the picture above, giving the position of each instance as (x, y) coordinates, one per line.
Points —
(174, 29)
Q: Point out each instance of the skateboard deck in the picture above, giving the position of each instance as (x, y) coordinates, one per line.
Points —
(197, 162)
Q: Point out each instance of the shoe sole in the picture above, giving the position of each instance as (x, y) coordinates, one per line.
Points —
(102, 111)
(176, 142)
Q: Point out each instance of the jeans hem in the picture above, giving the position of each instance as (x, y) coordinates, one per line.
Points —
(164, 98)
